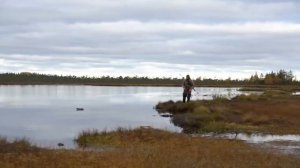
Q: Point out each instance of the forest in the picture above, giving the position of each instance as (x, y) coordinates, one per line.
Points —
(282, 77)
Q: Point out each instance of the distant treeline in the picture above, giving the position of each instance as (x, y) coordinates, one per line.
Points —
(281, 77)
(274, 78)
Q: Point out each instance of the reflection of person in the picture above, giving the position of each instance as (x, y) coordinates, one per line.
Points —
(188, 86)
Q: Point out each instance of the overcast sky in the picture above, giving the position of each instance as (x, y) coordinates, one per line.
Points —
(208, 38)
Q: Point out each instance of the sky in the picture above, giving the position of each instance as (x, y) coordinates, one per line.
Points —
(170, 38)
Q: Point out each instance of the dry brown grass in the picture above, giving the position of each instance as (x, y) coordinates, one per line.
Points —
(148, 148)
(281, 115)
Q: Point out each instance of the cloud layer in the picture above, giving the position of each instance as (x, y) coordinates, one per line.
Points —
(210, 38)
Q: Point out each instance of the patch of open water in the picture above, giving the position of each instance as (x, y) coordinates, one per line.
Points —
(287, 144)
(48, 114)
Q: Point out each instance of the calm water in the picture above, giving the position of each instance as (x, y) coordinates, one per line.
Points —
(47, 115)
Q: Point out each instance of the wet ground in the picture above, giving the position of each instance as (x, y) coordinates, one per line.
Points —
(284, 144)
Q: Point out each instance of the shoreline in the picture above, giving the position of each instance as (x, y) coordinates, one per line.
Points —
(259, 87)
(143, 147)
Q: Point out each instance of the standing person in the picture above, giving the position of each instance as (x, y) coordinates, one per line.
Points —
(188, 86)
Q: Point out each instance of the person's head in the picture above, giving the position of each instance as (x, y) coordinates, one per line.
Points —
(188, 77)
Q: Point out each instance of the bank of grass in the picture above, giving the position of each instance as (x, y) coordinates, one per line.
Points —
(143, 148)
(274, 111)
(261, 88)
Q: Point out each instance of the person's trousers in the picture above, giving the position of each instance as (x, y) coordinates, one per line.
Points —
(187, 96)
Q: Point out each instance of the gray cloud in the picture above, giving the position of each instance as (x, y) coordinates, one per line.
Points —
(149, 37)
(32, 11)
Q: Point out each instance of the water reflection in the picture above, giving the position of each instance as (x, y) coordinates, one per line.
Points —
(47, 114)
(255, 138)
(296, 94)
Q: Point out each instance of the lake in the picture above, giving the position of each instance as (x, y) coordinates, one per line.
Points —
(47, 115)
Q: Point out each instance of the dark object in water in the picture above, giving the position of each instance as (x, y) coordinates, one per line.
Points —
(60, 144)
(166, 115)
(79, 109)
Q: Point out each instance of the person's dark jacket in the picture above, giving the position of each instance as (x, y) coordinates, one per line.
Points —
(188, 85)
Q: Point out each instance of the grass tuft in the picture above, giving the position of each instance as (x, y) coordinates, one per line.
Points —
(16, 146)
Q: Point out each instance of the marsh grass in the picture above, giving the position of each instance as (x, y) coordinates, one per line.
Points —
(143, 148)
(16, 146)
(274, 111)
(157, 148)
(219, 98)
(121, 137)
